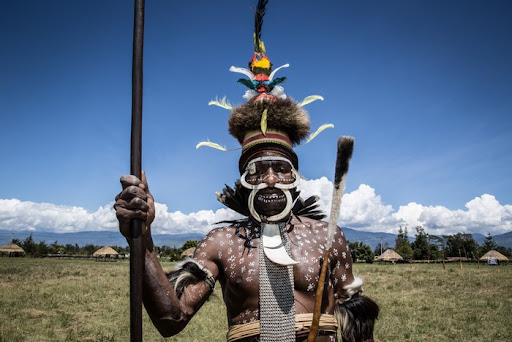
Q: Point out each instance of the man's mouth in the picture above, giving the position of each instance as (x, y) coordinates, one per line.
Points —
(271, 198)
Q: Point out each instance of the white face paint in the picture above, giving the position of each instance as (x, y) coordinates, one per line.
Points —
(272, 243)
(284, 184)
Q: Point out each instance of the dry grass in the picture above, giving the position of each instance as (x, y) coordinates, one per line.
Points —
(82, 300)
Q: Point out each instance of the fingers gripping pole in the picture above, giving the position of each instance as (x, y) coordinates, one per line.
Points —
(345, 149)
(136, 245)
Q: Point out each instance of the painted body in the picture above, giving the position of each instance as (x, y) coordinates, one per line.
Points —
(230, 254)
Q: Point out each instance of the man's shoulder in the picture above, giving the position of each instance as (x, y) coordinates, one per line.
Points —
(308, 222)
(227, 230)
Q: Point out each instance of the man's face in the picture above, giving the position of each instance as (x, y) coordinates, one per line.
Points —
(270, 200)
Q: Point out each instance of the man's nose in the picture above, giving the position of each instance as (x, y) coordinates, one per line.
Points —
(270, 178)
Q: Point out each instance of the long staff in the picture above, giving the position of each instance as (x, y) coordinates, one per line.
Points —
(345, 148)
(136, 246)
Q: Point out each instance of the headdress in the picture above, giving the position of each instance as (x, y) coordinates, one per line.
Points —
(269, 120)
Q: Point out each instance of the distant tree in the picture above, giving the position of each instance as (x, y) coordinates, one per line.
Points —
(188, 244)
(361, 251)
(488, 244)
(437, 246)
(120, 250)
(506, 251)
(420, 246)
(89, 249)
(402, 244)
(380, 248)
(29, 246)
(55, 248)
(462, 243)
(41, 249)
(16, 241)
(70, 249)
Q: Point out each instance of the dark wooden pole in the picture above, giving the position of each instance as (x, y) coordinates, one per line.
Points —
(136, 245)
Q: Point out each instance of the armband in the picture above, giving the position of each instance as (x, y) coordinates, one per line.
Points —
(187, 272)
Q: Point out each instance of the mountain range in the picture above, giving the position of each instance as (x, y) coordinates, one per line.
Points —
(114, 238)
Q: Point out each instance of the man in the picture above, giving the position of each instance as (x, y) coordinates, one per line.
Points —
(267, 263)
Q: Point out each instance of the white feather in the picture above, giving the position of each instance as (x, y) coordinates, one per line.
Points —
(278, 92)
(271, 77)
(249, 94)
(223, 103)
(244, 71)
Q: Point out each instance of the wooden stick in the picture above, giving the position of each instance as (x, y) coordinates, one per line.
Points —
(136, 245)
(345, 149)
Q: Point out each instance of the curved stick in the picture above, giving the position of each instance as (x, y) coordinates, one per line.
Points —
(345, 148)
(136, 245)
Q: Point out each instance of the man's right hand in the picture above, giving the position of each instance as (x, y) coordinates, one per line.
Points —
(134, 202)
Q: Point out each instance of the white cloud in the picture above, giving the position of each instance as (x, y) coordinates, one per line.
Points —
(361, 208)
(364, 209)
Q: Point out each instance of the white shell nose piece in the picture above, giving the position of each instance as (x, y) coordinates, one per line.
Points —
(273, 246)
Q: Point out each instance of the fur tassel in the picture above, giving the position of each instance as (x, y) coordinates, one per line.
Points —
(189, 272)
(356, 318)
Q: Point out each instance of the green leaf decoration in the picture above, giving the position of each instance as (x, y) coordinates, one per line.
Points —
(212, 145)
(263, 122)
(318, 131)
(309, 99)
(246, 83)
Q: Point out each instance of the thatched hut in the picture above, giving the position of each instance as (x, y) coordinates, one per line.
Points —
(188, 253)
(105, 252)
(389, 255)
(12, 250)
(493, 255)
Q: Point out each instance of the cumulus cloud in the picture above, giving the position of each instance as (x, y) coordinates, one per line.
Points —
(362, 209)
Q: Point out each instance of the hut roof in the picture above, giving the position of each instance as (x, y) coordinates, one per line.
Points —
(188, 252)
(11, 248)
(494, 254)
(388, 255)
(106, 250)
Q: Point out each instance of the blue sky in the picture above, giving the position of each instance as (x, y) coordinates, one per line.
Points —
(424, 86)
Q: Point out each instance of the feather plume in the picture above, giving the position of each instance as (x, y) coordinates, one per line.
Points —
(244, 71)
(235, 199)
(258, 22)
(246, 83)
(271, 76)
(212, 145)
(223, 103)
(318, 131)
(263, 123)
(308, 208)
(309, 99)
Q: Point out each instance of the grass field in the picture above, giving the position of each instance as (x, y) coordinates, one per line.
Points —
(82, 300)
